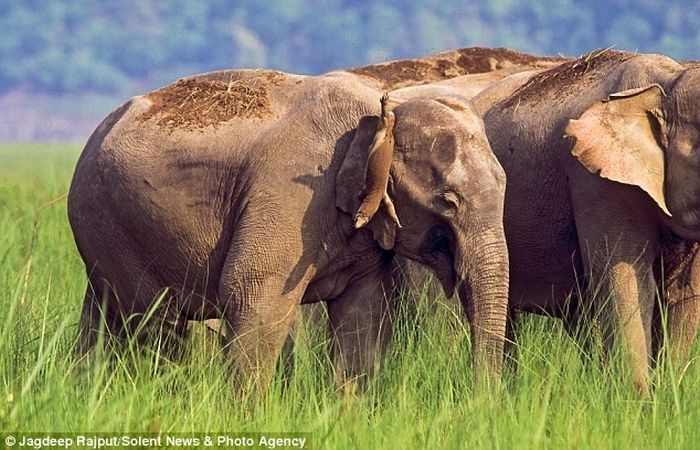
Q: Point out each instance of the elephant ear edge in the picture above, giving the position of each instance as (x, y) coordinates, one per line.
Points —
(620, 138)
(350, 182)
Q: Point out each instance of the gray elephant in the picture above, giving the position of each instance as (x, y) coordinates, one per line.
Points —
(234, 194)
(603, 194)
(463, 72)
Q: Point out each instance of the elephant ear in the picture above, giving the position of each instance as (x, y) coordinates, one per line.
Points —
(350, 181)
(621, 139)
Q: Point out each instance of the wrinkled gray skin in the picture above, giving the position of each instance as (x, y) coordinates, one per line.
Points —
(605, 203)
(249, 218)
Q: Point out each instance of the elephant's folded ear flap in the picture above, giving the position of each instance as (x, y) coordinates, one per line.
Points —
(622, 139)
(361, 185)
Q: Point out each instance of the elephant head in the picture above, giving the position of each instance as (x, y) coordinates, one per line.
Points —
(650, 138)
(431, 159)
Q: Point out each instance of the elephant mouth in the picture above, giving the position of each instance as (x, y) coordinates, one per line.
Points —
(691, 219)
(437, 252)
(686, 224)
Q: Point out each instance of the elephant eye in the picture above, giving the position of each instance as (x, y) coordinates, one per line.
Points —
(447, 202)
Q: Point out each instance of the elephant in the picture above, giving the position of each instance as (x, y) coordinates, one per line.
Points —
(602, 196)
(234, 195)
(463, 72)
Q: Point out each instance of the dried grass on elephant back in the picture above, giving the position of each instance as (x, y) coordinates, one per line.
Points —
(567, 79)
(195, 103)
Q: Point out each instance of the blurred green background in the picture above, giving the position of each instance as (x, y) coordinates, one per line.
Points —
(65, 63)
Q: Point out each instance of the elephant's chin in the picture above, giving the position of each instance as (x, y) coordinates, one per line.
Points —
(690, 225)
(448, 282)
(438, 253)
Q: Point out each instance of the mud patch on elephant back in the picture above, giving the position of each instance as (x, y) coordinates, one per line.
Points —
(677, 256)
(569, 77)
(194, 103)
(395, 73)
(482, 60)
(450, 64)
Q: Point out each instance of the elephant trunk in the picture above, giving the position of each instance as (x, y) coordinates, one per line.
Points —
(481, 264)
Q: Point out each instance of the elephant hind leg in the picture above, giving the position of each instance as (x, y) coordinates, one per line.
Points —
(582, 322)
(96, 323)
(102, 320)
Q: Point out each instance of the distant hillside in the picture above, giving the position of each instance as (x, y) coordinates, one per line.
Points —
(92, 54)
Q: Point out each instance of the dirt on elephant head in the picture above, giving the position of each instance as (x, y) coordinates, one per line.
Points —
(580, 72)
(210, 99)
(450, 64)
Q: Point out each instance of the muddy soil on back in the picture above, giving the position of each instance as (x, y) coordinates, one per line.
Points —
(450, 64)
(210, 99)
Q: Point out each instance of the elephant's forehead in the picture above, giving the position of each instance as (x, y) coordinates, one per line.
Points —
(457, 173)
(471, 167)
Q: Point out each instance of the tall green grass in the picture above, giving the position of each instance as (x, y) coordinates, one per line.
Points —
(421, 399)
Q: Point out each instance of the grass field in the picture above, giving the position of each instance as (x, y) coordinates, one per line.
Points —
(422, 398)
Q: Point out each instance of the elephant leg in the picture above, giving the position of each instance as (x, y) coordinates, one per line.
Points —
(167, 333)
(94, 326)
(626, 301)
(625, 297)
(360, 325)
(683, 320)
(259, 319)
(582, 323)
(633, 292)
(618, 238)
(510, 347)
(313, 321)
(260, 290)
(286, 360)
(115, 307)
(102, 320)
(683, 313)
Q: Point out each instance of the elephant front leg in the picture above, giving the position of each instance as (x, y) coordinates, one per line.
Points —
(624, 291)
(259, 317)
(631, 304)
(260, 290)
(618, 236)
(360, 325)
(618, 240)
